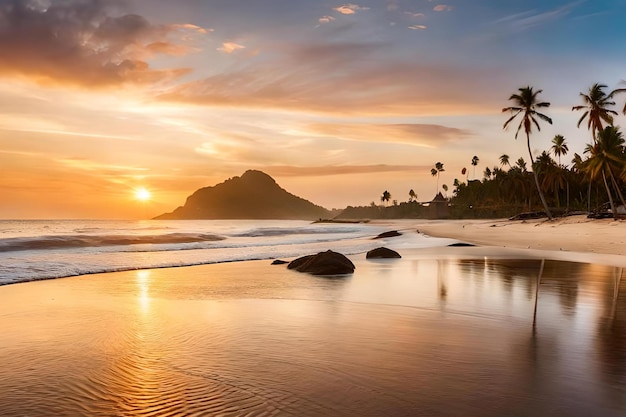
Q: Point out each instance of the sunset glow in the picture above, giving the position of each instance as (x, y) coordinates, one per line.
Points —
(365, 96)
(142, 194)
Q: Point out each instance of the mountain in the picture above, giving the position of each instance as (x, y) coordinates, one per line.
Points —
(254, 195)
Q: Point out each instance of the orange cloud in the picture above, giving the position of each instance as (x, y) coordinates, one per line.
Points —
(82, 43)
(230, 47)
(350, 8)
(330, 78)
(325, 19)
(425, 135)
(320, 171)
(418, 27)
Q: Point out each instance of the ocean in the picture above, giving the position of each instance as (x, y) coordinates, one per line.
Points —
(442, 332)
(43, 249)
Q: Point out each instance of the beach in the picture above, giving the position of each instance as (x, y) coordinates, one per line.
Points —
(444, 331)
(574, 233)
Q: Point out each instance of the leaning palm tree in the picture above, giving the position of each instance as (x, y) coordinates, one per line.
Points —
(526, 104)
(475, 161)
(596, 111)
(504, 160)
(559, 147)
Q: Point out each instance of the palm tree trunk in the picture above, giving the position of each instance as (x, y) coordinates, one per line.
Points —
(606, 185)
(619, 192)
(589, 197)
(614, 182)
(532, 161)
(567, 208)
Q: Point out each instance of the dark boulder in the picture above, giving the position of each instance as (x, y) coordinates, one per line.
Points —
(324, 263)
(382, 253)
(392, 233)
(460, 244)
(279, 262)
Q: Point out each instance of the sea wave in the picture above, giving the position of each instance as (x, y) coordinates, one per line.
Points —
(91, 241)
(263, 232)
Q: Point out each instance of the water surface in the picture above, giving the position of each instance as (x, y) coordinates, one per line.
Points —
(417, 336)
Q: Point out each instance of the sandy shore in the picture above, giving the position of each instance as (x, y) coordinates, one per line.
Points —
(572, 234)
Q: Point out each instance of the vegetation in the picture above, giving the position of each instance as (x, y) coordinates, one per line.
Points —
(509, 188)
(526, 105)
(435, 173)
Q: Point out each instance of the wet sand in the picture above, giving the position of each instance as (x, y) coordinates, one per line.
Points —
(441, 332)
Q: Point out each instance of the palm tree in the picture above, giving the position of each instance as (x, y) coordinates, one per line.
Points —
(412, 195)
(487, 173)
(606, 156)
(475, 162)
(596, 111)
(526, 104)
(559, 147)
(504, 160)
(385, 197)
(435, 172)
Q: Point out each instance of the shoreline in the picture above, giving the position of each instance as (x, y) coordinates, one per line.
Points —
(574, 239)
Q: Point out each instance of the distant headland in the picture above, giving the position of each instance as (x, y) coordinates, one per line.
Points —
(254, 195)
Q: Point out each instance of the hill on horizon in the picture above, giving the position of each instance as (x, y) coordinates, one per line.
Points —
(254, 195)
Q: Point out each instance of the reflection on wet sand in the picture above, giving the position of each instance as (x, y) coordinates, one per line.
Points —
(437, 337)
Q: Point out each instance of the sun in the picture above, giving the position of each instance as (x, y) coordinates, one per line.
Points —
(142, 194)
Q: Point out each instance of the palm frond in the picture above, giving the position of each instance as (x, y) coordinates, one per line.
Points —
(536, 124)
(543, 117)
(510, 119)
(582, 117)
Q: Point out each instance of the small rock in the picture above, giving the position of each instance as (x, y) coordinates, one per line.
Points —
(382, 253)
(279, 262)
(392, 233)
(324, 263)
(460, 244)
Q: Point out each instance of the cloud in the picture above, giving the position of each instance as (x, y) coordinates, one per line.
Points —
(417, 27)
(442, 8)
(423, 135)
(82, 42)
(230, 47)
(332, 78)
(522, 21)
(350, 8)
(321, 171)
(415, 15)
(325, 19)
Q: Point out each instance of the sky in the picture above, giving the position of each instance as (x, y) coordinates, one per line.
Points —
(337, 101)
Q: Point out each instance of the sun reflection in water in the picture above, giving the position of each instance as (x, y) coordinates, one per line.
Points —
(143, 286)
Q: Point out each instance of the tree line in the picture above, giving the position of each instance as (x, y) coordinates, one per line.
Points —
(586, 182)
